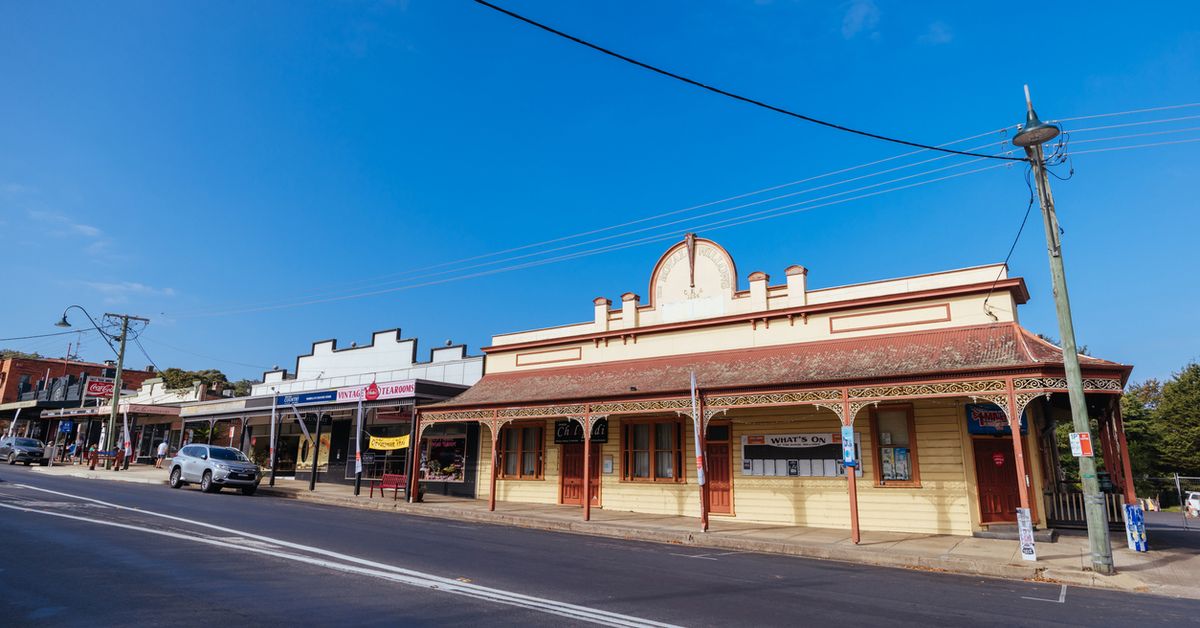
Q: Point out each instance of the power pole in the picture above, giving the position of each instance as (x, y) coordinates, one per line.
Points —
(1031, 137)
(116, 398)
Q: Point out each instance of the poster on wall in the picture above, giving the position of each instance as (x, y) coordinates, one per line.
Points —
(304, 460)
(444, 459)
(796, 455)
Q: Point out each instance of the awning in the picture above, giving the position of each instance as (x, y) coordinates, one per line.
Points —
(945, 352)
(105, 410)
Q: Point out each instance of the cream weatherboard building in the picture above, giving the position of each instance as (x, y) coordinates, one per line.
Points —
(928, 373)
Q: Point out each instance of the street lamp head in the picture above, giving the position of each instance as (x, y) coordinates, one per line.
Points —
(1034, 131)
(63, 322)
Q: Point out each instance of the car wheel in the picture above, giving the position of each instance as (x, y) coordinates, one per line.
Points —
(206, 483)
(12, 458)
(176, 479)
(249, 490)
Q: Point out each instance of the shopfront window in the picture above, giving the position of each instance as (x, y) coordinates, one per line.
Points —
(895, 446)
(652, 451)
(522, 449)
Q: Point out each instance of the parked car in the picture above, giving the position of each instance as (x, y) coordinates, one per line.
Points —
(15, 449)
(213, 468)
(1191, 505)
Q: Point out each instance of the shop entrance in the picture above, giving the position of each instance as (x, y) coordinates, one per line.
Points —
(996, 477)
(720, 470)
(571, 490)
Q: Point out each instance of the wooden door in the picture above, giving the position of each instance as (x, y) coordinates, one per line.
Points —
(571, 489)
(996, 477)
(720, 478)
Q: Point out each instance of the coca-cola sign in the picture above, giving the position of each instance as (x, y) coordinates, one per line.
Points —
(99, 387)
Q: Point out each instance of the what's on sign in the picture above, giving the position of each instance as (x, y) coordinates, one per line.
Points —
(1081, 444)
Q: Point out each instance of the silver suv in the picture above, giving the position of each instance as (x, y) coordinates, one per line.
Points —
(15, 449)
(214, 467)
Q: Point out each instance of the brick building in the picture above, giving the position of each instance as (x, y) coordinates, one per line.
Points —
(30, 385)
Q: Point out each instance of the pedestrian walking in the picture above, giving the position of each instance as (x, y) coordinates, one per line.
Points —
(93, 458)
(162, 454)
(119, 459)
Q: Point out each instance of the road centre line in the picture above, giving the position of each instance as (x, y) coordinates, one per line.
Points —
(368, 568)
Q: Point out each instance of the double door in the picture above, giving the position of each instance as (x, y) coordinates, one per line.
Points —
(571, 491)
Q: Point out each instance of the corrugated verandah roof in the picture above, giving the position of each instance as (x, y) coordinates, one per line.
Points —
(931, 354)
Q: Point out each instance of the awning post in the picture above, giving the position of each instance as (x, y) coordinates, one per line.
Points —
(587, 467)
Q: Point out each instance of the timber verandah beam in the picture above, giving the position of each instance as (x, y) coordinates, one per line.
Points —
(1011, 393)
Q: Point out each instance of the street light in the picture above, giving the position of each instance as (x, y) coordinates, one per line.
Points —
(125, 318)
(1031, 137)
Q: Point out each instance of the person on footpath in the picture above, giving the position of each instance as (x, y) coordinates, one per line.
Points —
(93, 458)
(161, 455)
(119, 459)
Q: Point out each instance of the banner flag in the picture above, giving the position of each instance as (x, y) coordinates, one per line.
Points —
(389, 443)
(696, 421)
(303, 426)
(271, 453)
(125, 433)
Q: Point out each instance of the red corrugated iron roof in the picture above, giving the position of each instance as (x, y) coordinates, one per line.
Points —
(883, 357)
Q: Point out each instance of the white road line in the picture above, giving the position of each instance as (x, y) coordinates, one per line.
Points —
(1062, 597)
(704, 556)
(370, 568)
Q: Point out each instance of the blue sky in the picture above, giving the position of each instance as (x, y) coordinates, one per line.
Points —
(168, 159)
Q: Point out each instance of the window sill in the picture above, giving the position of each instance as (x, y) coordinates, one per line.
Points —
(898, 484)
(516, 479)
(651, 481)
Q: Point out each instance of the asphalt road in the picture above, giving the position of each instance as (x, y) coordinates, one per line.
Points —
(136, 555)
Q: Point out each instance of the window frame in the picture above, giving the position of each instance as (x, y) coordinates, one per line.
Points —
(517, 430)
(680, 451)
(877, 447)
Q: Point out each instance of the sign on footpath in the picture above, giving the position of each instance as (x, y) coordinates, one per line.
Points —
(1025, 528)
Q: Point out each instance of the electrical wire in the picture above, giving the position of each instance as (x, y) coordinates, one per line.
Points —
(1013, 247)
(138, 341)
(1059, 150)
(1126, 113)
(57, 333)
(207, 357)
(416, 273)
(729, 94)
(1139, 123)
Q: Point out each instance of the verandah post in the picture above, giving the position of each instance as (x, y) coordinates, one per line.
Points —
(851, 474)
(1014, 423)
(1126, 466)
(587, 468)
(414, 451)
(494, 428)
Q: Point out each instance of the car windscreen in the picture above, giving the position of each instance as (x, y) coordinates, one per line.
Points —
(228, 454)
(27, 442)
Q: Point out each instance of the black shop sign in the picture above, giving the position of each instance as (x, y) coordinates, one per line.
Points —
(570, 432)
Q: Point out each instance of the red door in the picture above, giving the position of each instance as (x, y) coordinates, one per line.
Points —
(720, 478)
(572, 474)
(996, 476)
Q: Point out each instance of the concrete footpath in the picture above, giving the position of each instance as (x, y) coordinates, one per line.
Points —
(1172, 568)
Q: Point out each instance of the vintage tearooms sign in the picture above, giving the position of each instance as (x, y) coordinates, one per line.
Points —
(365, 392)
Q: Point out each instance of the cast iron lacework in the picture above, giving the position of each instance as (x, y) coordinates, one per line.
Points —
(456, 415)
(855, 406)
(640, 406)
(1060, 383)
(807, 396)
(836, 406)
(1024, 399)
(544, 411)
(923, 390)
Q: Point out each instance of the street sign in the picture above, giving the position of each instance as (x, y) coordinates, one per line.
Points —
(1025, 528)
(1081, 444)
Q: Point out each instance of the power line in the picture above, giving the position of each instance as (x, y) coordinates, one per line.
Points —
(57, 333)
(729, 94)
(138, 341)
(207, 357)
(737, 220)
(1126, 113)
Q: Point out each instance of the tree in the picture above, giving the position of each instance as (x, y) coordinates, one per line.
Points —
(1139, 407)
(1177, 423)
(242, 387)
(176, 378)
(13, 353)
